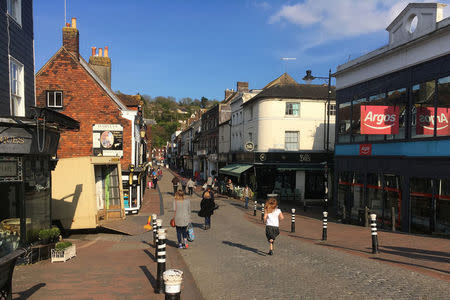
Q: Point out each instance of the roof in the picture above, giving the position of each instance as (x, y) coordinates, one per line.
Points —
(286, 87)
(129, 100)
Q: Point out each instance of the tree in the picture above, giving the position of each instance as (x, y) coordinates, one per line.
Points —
(204, 102)
(186, 101)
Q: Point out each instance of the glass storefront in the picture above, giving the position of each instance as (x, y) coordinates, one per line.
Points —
(421, 194)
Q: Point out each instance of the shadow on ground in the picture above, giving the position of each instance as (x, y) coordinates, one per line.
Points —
(244, 247)
(28, 293)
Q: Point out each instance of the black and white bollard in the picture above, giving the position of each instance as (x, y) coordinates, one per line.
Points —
(161, 261)
(293, 220)
(325, 225)
(262, 211)
(373, 229)
(254, 208)
(158, 227)
(154, 228)
(172, 281)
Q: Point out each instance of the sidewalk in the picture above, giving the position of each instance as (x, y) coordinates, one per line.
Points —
(107, 266)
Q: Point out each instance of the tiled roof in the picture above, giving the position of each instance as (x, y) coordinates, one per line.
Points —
(129, 100)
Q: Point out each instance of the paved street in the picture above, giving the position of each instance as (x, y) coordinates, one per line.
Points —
(229, 262)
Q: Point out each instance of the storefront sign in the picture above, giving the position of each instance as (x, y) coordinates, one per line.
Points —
(365, 149)
(425, 121)
(379, 119)
(107, 139)
(10, 169)
(249, 146)
(305, 157)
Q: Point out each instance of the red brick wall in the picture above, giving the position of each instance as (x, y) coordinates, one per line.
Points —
(83, 100)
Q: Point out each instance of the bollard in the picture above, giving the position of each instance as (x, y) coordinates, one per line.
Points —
(324, 227)
(262, 211)
(393, 218)
(154, 228)
(172, 281)
(254, 208)
(373, 229)
(158, 227)
(161, 261)
(293, 220)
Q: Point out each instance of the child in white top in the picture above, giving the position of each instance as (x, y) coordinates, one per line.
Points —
(272, 219)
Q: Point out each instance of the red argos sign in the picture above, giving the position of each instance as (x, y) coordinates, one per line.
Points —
(379, 119)
(365, 149)
(425, 121)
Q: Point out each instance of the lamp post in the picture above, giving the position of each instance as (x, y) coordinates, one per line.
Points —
(308, 78)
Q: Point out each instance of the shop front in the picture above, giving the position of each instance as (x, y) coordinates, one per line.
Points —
(27, 157)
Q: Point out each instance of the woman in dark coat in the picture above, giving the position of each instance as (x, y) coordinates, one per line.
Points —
(207, 208)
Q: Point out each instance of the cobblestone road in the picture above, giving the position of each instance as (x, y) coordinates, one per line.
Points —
(229, 261)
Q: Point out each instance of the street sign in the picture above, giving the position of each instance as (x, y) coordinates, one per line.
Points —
(249, 146)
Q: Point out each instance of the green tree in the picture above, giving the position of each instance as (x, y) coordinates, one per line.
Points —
(204, 102)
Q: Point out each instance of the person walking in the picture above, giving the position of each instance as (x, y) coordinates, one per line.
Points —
(182, 208)
(272, 219)
(207, 206)
(247, 194)
(230, 188)
(209, 182)
(154, 181)
(175, 182)
(190, 185)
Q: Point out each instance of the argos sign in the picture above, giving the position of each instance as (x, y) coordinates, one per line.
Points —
(379, 119)
(425, 121)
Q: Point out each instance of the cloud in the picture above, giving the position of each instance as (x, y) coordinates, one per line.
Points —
(341, 18)
(262, 4)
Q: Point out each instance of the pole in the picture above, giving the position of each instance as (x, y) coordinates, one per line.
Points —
(254, 208)
(161, 261)
(262, 212)
(158, 228)
(328, 111)
(293, 220)
(373, 225)
(325, 225)
(154, 228)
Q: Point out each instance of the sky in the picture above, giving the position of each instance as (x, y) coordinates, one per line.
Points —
(200, 48)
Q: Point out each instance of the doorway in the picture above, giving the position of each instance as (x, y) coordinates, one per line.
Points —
(107, 191)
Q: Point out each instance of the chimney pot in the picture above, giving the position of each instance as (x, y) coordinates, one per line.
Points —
(93, 51)
(100, 52)
(106, 51)
(74, 22)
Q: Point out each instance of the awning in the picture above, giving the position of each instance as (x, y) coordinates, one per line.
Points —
(312, 167)
(235, 170)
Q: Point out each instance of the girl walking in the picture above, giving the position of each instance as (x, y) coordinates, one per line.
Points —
(272, 219)
(182, 218)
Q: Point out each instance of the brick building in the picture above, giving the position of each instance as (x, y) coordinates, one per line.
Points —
(110, 127)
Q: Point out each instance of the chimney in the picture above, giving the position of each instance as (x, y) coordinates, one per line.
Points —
(71, 38)
(101, 64)
(242, 86)
(228, 93)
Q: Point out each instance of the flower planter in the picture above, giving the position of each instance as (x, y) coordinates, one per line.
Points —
(63, 255)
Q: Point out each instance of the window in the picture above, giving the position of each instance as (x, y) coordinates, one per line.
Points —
(14, 10)
(332, 109)
(422, 112)
(17, 89)
(376, 100)
(356, 120)
(291, 140)
(54, 99)
(443, 106)
(398, 98)
(292, 109)
(345, 120)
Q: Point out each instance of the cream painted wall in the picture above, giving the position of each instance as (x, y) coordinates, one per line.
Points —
(269, 123)
(73, 191)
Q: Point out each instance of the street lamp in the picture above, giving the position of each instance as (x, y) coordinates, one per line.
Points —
(308, 78)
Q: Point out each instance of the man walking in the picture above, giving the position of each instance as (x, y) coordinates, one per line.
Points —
(190, 185)
(175, 182)
(248, 193)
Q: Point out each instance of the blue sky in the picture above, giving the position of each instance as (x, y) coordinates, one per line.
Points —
(200, 48)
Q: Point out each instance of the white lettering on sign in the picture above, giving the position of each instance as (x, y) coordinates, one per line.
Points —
(305, 157)
(380, 118)
(442, 118)
(111, 127)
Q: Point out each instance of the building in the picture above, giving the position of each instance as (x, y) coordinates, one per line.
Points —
(109, 131)
(29, 135)
(282, 134)
(393, 147)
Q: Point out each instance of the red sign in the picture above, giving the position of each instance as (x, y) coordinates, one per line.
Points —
(379, 119)
(365, 149)
(425, 121)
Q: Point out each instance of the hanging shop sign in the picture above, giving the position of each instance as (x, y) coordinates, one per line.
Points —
(107, 140)
(425, 121)
(249, 146)
(379, 119)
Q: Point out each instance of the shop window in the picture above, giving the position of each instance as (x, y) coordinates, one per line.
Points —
(442, 127)
(375, 194)
(344, 193)
(392, 202)
(357, 204)
(376, 100)
(422, 111)
(356, 120)
(345, 120)
(421, 194)
(398, 98)
(443, 207)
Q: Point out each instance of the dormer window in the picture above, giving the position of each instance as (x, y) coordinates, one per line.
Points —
(55, 99)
